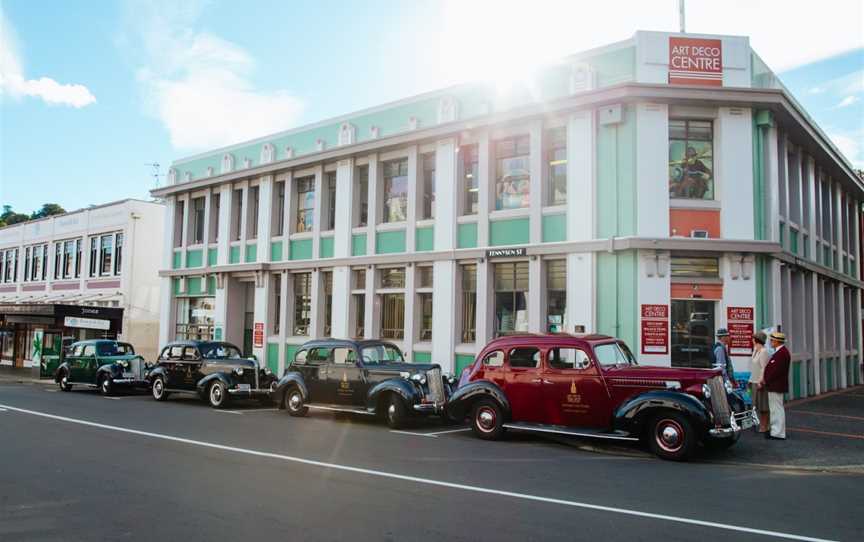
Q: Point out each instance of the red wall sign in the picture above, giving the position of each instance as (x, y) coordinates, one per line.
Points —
(258, 335)
(694, 61)
(740, 324)
(655, 329)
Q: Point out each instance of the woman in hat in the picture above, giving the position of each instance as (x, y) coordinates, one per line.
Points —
(757, 368)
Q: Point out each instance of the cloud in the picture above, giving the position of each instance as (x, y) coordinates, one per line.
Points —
(850, 145)
(15, 84)
(847, 101)
(199, 85)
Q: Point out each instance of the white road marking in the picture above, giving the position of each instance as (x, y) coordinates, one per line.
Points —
(450, 431)
(433, 434)
(244, 411)
(3, 410)
(51, 391)
(112, 398)
(227, 411)
(428, 481)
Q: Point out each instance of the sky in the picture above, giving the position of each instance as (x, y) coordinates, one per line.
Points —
(93, 92)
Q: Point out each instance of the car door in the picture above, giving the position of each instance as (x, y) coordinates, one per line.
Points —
(523, 384)
(346, 379)
(74, 362)
(174, 367)
(313, 365)
(190, 366)
(89, 364)
(573, 390)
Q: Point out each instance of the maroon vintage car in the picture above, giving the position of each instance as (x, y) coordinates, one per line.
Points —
(591, 385)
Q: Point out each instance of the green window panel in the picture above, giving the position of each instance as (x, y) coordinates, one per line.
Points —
(211, 285)
(796, 380)
(358, 244)
(193, 286)
(554, 228)
(390, 242)
(290, 350)
(467, 235)
(177, 260)
(422, 357)
(515, 231)
(212, 256)
(251, 253)
(273, 357)
(782, 235)
(462, 361)
(234, 255)
(301, 249)
(276, 251)
(175, 286)
(424, 239)
(194, 258)
(326, 247)
(793, 241)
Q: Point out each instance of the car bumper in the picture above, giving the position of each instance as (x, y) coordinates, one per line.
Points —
(739, 422)
(131, 382)
(428, 408)
(249, 392)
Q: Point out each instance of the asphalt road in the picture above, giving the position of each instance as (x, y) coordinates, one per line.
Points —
(76, 466)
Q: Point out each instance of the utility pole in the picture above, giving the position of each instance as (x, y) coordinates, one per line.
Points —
(681, 26)
(155, 174)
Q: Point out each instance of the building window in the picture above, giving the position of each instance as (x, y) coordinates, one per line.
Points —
(425, 300)
(331, 200)
(215, 206)
(58, 258)
(469, 303)
(280, 209)
(328, 303)
(118, 253)
(236, 214)
(556, 158)
(511, 298)
(302, 303)
(27, 264)
(253, 212)
(69, 259)
(195, 318)
(393, 316)
(277, 303)
(556, 295)
(395, 191)
(695, 267)
(425, 276)
(359, 315)
(362, 195)
(428, 171)
(106, 242)
(197, 221)
(692, 332)
(77, 258)
(359, 279)
(37, 263)
(94, 255)
(691, 159)
(469, 173)
(513, 177)
(178, 223)
(393, 277)
(305, 204)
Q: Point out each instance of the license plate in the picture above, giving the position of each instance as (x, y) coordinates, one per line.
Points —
(747, 423)
(243, 387)
(128, 375)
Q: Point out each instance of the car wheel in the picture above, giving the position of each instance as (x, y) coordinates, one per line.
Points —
(672, 437)
(487, 420)
(294, 403)
(63, 383)
(106, 386)
(158, 389)
(218, 394)
(396, 413)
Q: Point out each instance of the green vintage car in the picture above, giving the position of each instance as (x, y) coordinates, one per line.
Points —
(103, 364)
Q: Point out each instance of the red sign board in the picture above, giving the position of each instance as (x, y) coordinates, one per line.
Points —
(695, 61)
(258, 335)
(655, 329)
(740, 324)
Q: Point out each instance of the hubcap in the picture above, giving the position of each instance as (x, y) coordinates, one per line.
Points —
(216, 394)
(486, 419)
(295, 401)
(64, 381)
(670, 435)
(157, 388)
(105, 385)
(391, 411)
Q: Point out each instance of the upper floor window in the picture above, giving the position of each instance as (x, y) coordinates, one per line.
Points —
(331, 200)
(94, 256)
(69, 259)
(118, 253)
(395, 191)
(215, 206)
(38, 257)
(556, 160)
(513, 173)
(428, 170)
(9, 268)
(106, 256)
(179, 212)
(362, 198)
(305, 204)
(279, 209)
(197, 220)
(695, 267)
(691, 159)
(302, 303)
(236, 214)
(253, 212)
(469, 175)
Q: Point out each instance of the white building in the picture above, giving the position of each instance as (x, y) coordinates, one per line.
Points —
(89, 273)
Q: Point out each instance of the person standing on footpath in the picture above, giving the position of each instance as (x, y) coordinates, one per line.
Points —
(720, 356)
(775, 380)
(757, 369)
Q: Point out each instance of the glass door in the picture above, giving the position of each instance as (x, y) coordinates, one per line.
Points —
(692, 332)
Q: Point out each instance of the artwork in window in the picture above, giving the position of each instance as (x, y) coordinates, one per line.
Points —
(513, 174)
(395, 191)
(691, 159)
(305, 204)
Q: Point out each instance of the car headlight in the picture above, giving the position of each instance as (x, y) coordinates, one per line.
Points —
(728, 386)
(238, 371)
(706, 391)
(267, 371)
(419, 378)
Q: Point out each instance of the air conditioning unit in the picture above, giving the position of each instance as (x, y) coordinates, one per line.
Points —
(699, 234)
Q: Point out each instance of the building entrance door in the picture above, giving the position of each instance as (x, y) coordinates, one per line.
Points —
(692, 332)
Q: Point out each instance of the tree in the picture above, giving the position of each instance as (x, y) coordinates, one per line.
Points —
(10, 217)
(48, 209)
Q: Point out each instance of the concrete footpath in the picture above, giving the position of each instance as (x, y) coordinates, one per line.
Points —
(21, 375)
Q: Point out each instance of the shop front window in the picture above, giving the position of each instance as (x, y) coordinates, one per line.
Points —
(692, 332)
(469, 303)
(195, 318)
(556, 295)
(395, 191)
(393, 277)
(556, 158)
(511, 298)
(328, 303)
(513, 173)
(302, 303)
(359, 315)
(305, 204)
(469, 173)
(691, 159)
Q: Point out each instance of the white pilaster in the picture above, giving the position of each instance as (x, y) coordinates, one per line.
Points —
(536, 294)
(316, 313)
(809, 173)
(344, 223)
(841, 321)
(653, 288)
(538, 184)
(265, 217)
(444, 313)
(580, 292)
(414, 194)
(580, 189)
(485, 183)
(410, 320)
(815, 325)
(772, 180)
(373, 214)
(776, 293)
(485, 300)
(342, 303)
(262, 312)
(371, 319)
(316, 213)
(244, 221)
(652, 169)
(226, 203)
(283, 317)
(207, 207)
(446, 200)
(734, 167)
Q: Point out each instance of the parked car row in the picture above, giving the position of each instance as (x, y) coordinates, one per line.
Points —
(579, 385)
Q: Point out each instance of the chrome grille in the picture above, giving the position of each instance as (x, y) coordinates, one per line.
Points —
(436, 386)
(135, 367)
(719, 401)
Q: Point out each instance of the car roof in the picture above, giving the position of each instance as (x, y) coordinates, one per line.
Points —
(99, 341)
(197, 344)
(544, 338)
(358, 343)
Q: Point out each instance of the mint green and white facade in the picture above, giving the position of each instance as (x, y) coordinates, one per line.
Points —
(619, 193)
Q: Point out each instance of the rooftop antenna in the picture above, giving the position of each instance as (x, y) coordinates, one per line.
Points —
(681, 24)
(155, 174)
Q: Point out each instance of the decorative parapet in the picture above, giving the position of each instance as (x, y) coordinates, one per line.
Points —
(289, 152)
(172, 176)
(187, 176)
(209, 171)
(347, 134)
(227, 163)
(374, 132)
(582, 77)
(247, 163)
(320, 145)
(268, 153)
(413, 123)
(448, 109)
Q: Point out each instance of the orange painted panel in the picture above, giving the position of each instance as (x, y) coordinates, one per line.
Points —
(683, 221)
(697, 291)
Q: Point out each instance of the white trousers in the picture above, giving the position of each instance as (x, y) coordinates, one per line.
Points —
(778, 414)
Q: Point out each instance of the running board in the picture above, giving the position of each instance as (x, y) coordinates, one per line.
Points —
(342, 409)
(559, 430)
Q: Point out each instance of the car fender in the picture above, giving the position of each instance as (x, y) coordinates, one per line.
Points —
(205, 382)
(634, 413)
(736, 401)
(401, 387)
(288, 380)
(459, 404)
(157, 371)
(111, 369)
(60, 368)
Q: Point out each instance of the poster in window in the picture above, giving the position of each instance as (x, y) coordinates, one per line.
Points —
(655, 329)
(740, 325)
(258, 335)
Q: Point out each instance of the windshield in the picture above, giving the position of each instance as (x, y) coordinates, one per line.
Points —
(220, 351)
(380, 353)
(114, 349)
(614, 354)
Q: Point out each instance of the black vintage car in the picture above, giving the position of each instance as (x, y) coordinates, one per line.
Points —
(362, 377)
(102, 363)
(215, 371)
